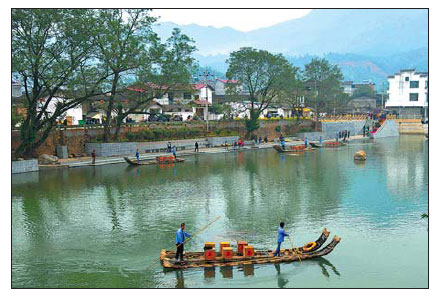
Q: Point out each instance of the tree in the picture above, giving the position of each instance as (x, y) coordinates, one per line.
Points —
(324, 82)
(265, 76)
(51, 49)
(169, 67)
(123, 38)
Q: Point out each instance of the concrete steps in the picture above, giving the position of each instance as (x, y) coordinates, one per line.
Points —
(411, 128)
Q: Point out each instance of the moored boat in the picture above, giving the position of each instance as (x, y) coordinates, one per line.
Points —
(205, 259)
(159, 160)
(292, 149)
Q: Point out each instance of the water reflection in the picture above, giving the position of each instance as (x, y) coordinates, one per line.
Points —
(180, 280)
(281, 281)
(322, 262)
(226, 272)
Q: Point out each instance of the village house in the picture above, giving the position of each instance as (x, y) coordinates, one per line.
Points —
(362, 104)
(408, 94)
(350, 87)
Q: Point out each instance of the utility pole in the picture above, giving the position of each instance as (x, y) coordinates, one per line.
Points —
(383, 91)
(206, 75)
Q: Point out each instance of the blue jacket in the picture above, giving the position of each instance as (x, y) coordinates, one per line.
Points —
(281, 234)
(180, 236)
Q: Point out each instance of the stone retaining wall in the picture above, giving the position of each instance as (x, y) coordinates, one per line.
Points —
(129, 148)
(331, 128)
(25, 166)
(312, 136)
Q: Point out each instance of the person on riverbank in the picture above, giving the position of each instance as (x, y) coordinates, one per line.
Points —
(196, 147)
(93, 155)
(180, 241)
(169, 146)
(265, 139)
(137, 155)
(320, 140)
(305, 142)
(175, 152)
(337, 136)
(282, 141)
(281, 234)
(260, 139)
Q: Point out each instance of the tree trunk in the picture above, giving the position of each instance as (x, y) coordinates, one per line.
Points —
(106, 134)
(252, 124)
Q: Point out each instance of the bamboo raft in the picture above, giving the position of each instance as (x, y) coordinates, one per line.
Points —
(293, 149)
(159, 160)
(197, 259)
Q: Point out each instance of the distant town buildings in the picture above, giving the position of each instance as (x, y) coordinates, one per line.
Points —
(408, 94)
(350, 87)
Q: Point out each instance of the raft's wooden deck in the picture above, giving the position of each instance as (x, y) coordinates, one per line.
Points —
(197, 259)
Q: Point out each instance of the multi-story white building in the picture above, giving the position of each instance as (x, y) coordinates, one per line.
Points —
(408, 94)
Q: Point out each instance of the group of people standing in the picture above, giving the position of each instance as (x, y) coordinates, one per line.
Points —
(344, 134)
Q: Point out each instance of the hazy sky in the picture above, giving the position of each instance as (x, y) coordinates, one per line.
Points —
(239, 19)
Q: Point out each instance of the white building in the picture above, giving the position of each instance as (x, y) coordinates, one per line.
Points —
(72, 115)
(408, 94)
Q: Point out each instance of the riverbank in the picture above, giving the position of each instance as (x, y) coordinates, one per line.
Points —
(87, 161)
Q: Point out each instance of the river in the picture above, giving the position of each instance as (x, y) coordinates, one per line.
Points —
(104, 226)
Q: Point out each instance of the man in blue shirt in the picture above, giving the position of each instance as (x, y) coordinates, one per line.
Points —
(137, 155)
(180, 240)
(281, 234)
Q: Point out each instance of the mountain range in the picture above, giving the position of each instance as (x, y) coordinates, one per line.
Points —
(368, 44)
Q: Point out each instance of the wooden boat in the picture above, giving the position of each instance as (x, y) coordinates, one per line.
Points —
(159, 160)
(314, 145)
(197, 259)
(328, 144)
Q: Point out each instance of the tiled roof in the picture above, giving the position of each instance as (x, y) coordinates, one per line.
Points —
(228, 81)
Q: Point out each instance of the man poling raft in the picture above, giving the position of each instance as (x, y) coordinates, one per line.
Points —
(246, 254)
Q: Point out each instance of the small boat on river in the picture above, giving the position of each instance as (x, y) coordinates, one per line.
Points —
(292, 149)
(247, 255)
(328, 144)
(159, 160)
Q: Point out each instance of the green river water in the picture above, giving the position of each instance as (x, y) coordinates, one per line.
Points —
(102, 227)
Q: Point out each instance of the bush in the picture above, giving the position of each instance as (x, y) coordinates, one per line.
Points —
(131, 136)
(278, 128)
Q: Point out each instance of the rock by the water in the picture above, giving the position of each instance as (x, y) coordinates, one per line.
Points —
(20, 159)
(360, 155)
(45, 159)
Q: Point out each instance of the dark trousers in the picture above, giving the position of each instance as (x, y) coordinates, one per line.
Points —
(277, 252)
(196, 149)
(179, 252)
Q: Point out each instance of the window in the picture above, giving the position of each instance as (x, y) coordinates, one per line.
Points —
(414, 84)
(426, 97)
(413, 97)
(426, 84)
(187, 95)
(407, 78)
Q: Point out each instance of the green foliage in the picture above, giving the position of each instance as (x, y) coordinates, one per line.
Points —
(324, 81)
(50, 53)
(267, 77)
(278, 128)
